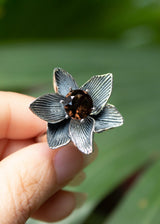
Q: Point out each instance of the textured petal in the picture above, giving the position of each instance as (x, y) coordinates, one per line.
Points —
(81, 134)
(99, 88)
(49, 108)
(57, 134)
(63, 81)
(109, 117)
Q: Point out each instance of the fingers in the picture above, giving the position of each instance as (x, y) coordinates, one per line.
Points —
(80, 177)
(59, 206)
(8, 146)
(17, 121)
(87, 158)
(34, 174)
(31, 176)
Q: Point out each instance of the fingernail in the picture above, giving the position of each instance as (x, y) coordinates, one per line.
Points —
(68, 162)
(80, 199)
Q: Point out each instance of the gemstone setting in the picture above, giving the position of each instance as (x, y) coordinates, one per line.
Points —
(78, 104)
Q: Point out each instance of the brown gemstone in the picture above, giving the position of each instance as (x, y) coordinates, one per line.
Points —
(78, 104)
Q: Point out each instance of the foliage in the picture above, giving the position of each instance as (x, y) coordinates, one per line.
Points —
(105, 19)
(27, 68)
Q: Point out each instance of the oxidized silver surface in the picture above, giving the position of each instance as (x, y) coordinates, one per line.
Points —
(74, 114)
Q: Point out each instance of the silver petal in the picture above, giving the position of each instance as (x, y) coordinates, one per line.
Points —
(99, 88)
(49, 108)
(108, 118)
(63, 82)
(57, 134)
(81, 134)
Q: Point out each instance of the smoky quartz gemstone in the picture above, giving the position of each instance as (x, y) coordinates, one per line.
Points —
(78, 104)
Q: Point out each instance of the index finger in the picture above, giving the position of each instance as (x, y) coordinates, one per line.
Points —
(16, 119)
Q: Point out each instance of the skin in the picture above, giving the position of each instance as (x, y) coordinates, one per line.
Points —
(31, 174)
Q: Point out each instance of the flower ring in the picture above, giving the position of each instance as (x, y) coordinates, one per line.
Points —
(74, 114)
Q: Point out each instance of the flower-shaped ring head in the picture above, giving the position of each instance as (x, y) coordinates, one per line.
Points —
(74, 114)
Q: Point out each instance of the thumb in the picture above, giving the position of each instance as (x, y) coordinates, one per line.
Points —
(32, 175)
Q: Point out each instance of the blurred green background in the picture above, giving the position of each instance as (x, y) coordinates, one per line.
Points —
(88, 38)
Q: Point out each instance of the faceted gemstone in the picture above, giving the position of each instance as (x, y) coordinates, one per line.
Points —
(78, 104)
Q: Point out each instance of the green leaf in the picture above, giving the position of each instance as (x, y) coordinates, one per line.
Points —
(142, 203)
(28, 67)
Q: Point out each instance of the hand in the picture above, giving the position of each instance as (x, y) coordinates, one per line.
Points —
(31, 174)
